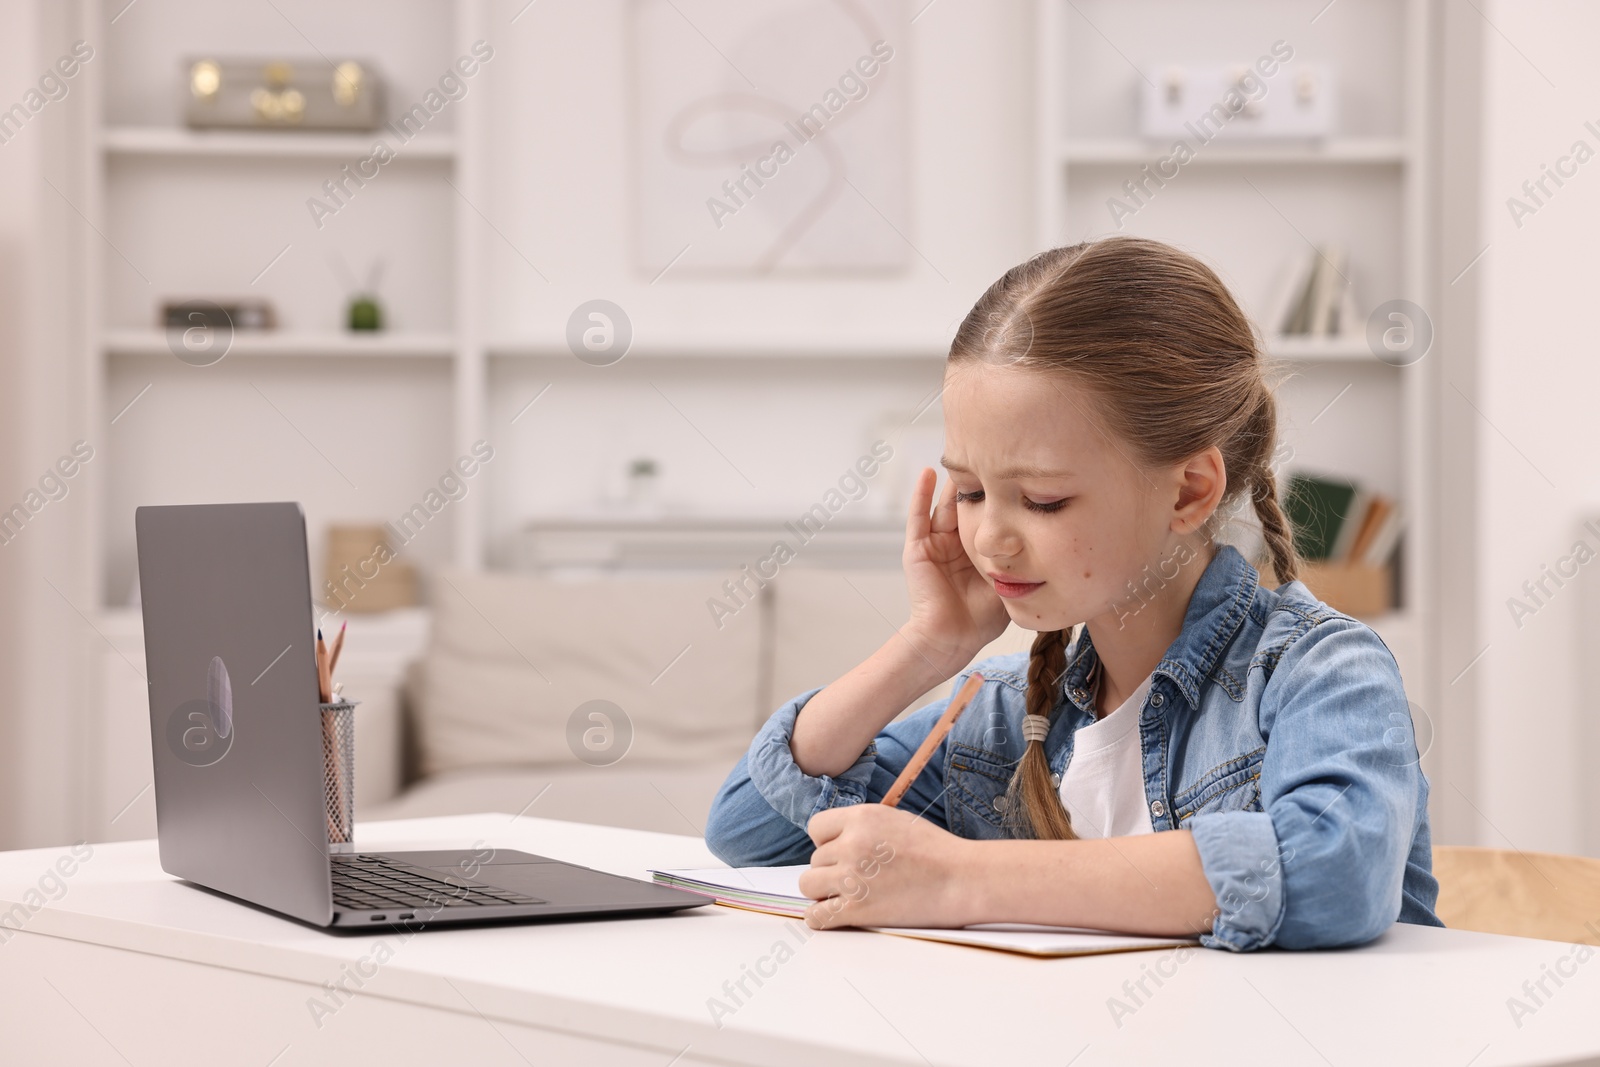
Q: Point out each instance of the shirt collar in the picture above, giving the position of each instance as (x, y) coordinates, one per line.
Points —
(1217, 607)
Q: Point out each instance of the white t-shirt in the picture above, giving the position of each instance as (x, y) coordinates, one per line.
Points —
(1103, 786)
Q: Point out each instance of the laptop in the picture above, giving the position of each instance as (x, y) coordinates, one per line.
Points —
(236, 736)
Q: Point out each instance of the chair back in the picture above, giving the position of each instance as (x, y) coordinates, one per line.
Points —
(1527, 894)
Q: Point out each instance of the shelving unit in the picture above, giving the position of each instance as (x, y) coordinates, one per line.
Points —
(275, 409)
(428, 366)
(1248, 207)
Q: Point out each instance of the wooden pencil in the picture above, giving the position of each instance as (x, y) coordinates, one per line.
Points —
(324, 682)
(924, 751)
(338, 644)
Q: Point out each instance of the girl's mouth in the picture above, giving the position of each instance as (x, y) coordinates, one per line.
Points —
(1013, 589)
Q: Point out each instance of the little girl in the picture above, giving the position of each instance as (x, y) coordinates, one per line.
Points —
(1203, 757)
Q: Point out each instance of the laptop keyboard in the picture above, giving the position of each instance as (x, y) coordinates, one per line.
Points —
(363, 881)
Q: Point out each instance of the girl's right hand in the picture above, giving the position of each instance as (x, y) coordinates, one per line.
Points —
(954, 608)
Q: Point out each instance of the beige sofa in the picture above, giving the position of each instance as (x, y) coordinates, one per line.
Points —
(530, 687)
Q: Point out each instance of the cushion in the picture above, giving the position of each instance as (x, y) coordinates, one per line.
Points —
(826, 621)
(631, 793)
(515, 658)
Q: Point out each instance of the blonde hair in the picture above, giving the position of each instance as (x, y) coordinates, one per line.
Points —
(1153, 335)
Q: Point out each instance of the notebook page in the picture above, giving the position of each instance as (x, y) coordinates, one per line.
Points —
(776, 890)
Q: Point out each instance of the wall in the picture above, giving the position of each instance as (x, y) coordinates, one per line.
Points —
(44, 632)
(744, 436)
(1535, 397)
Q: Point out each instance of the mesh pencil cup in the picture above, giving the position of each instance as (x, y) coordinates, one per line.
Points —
(339, 772)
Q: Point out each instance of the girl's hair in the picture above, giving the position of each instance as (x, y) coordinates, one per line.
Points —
(1173, 367)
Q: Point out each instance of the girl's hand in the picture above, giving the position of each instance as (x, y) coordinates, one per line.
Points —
(954, 607)
(880, 866)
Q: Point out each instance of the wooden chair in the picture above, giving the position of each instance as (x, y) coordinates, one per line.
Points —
(1528, 894)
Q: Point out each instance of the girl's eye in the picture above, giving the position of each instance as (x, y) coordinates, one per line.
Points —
(1053, 506)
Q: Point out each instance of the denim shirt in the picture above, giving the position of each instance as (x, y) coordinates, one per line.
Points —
(1276, 730)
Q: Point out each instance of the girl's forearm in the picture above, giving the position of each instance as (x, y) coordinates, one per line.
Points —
(835, 726)
(1145, 884)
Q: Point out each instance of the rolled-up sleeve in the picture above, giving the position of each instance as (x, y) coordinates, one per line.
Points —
(793, 793)
(1322, 865)
(759, 815)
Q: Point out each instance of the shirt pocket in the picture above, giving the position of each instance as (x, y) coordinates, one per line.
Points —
(1231, 786)
(977, 779)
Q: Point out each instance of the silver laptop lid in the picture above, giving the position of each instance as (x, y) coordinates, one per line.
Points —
(234, 723)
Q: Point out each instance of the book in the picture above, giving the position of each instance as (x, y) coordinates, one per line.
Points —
(1385, 538)
(1314, 297)
(1290, 293)
(1299, 319)
(1316, 507)
(1330, 283)
(776, 891)
(1375, 515)
(1345, 318)
(1355, 514)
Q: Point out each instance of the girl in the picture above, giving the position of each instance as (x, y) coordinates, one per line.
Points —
(1203, 757)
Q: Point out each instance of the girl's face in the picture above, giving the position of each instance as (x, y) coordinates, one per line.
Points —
(1045, 495)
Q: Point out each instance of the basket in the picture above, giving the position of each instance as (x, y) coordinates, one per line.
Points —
(339, 773)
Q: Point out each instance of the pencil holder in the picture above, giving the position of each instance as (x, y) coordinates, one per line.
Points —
(339, 772)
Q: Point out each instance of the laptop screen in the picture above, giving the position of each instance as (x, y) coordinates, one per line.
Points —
(235, 727)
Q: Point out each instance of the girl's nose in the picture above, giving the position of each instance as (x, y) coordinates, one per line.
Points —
(994, 538)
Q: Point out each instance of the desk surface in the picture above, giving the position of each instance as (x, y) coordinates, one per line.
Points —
(653, 986)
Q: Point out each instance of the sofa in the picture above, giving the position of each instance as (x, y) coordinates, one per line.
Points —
(623, 700)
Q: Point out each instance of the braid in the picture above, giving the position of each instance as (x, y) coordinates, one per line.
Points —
(1264, 493)
(1033, 807)
(1275, 527)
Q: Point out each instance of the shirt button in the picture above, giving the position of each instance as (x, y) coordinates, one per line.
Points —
(1055, 779)
(1000, 803)
(1157, 808)
(1155, 699)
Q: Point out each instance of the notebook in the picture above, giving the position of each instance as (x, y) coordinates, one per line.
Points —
(776, 891)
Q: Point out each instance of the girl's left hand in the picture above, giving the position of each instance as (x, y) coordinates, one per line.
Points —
(880, 866)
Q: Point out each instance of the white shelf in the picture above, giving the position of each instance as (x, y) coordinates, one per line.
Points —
(754, 348)
(169, 141)
(1135, 152)
(270, 343)
(1333, 349)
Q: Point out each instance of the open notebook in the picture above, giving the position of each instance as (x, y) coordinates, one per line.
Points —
(776, 891)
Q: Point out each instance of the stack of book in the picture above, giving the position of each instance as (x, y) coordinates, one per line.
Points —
(1347, 534)
(1314, 298)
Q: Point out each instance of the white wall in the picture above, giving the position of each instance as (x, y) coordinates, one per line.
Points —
(44, 589)
(1537, 394)
(739, 437)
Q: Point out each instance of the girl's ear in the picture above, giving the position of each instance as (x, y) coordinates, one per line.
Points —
(1202, 482)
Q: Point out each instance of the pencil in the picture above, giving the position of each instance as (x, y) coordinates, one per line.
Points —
(338, 643)
(323, 678)
(925, 751)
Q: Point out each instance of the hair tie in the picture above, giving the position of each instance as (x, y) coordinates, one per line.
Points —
(1035, 727)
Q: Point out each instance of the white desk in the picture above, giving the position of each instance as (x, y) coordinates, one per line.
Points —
(131, 966)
